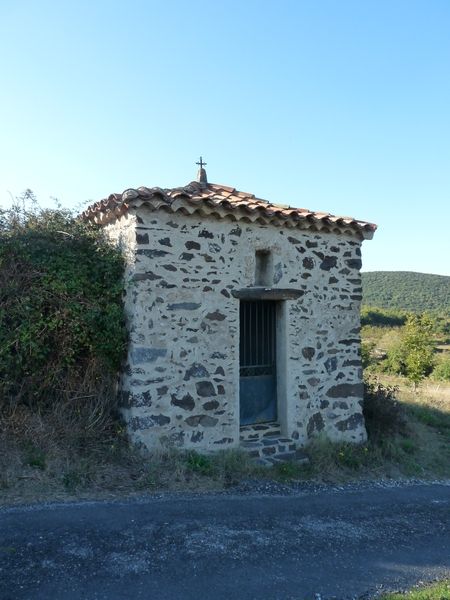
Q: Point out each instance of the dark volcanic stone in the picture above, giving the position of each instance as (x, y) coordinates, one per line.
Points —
(215, 316)
(192, 245)
(354, 263)
(346, 390)
(146, 355)
(184, 306)
(196, 370)
(308, 263)
(197, 436)
(141, 238)
(160, 419)
(352, 363)
(294, 240)
(187, 402)
(137, 423)
(352, 422)
(149, 276)
(331, 364)
(165, 242)
(315, 423)
(205, 389)
(308, 352)
(144, 399)
(204, 233)
(349, 342)
(328, 263)
(211, 405)
(340, 404)
(186, 256)
(151, 252)
(204, 420)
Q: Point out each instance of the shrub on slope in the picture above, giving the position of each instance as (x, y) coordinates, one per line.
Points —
(60, 306)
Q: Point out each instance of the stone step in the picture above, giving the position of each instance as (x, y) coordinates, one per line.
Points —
(256, 432)
(298, 456)
(265, 444)
(270, 461)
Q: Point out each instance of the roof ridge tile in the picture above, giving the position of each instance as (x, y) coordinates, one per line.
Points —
(228, 199)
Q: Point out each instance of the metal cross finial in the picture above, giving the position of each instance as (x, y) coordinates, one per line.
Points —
(201, 163)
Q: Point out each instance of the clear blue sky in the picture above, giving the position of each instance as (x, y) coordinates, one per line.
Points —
(338, 105)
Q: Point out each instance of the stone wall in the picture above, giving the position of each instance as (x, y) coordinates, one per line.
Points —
(181, 381)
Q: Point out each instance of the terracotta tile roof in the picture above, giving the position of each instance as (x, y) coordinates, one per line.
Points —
(223, 201)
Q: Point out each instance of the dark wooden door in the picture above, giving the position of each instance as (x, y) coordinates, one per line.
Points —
(257, 360)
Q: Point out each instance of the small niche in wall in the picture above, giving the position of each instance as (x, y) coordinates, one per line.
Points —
(263, 268)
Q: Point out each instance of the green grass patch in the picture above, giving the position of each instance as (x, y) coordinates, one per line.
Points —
(435, 591)
(200, 463)
(34, 457)
(430, 417)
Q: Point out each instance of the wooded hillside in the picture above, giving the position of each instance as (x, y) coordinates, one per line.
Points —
(406, 290)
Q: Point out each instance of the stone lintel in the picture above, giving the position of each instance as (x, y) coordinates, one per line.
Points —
(267, 293)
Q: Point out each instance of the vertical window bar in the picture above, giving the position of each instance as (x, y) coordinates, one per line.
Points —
(256, 351)
(258, 332)
(274, 332)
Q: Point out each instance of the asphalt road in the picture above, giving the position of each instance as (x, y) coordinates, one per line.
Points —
(345, 543)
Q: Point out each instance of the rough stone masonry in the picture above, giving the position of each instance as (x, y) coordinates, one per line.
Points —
(190, 253)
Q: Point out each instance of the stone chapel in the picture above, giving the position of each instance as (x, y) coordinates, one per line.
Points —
(243, 319)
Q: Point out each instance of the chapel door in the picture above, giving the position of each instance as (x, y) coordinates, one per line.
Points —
(257, 360)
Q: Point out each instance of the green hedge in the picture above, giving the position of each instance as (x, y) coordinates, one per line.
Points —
(61, 314)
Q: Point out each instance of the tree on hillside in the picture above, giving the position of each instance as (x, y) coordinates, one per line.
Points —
(413, 356)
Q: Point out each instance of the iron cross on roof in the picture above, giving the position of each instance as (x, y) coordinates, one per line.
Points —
(201, 175)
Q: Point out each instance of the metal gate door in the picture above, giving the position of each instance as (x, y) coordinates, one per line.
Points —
(257, 359)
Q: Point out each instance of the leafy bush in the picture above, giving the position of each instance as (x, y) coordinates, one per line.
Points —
(441, 371)
(366, 353)
(413, 356)
(383, 413)
(60, 305)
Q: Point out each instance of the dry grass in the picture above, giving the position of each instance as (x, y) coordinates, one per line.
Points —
(77, 449)
(420, 448)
